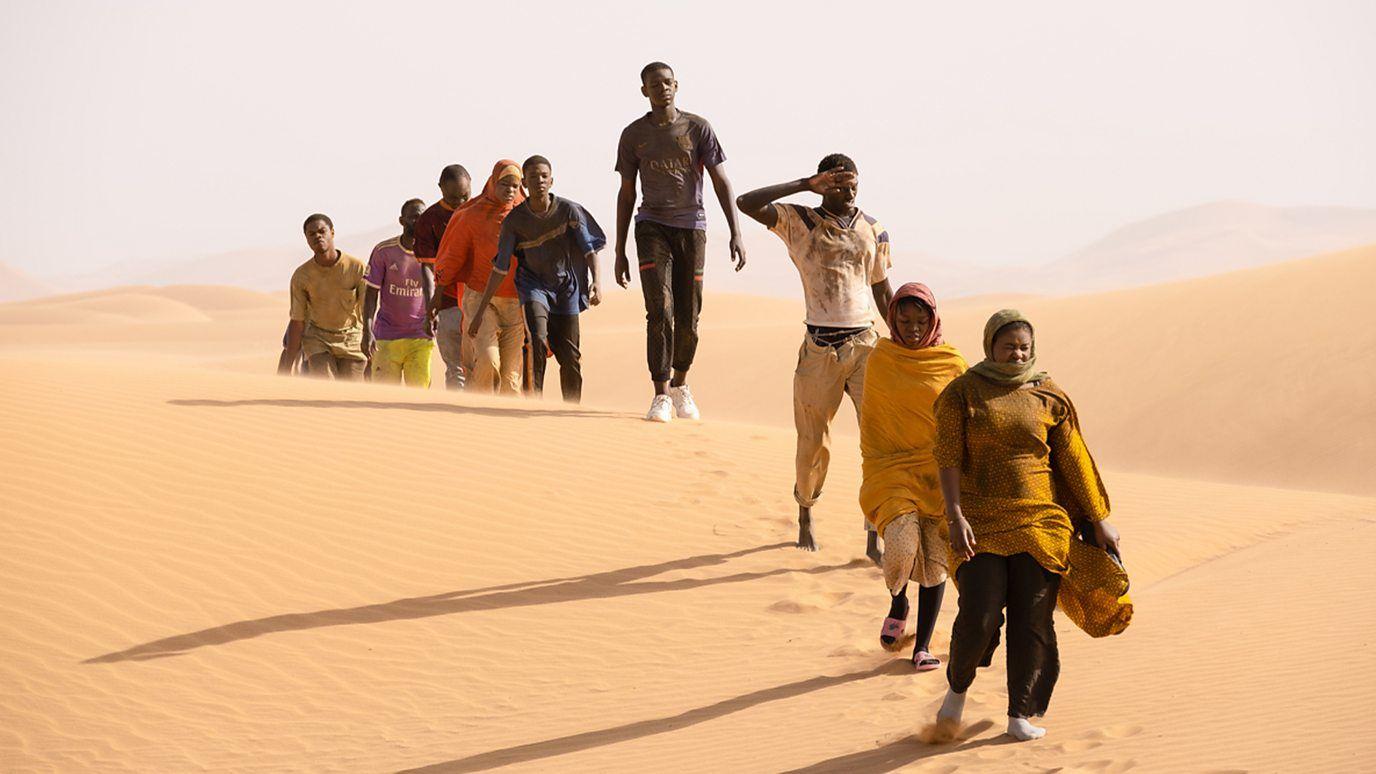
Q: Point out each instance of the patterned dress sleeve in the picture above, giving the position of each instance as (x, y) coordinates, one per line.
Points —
(1081, 489)
(949, 450)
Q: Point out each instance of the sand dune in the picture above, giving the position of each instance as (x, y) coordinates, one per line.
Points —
(1209, 239)
(1237, 377)
(1166, 376)
(16, 285)
(210, 568)
(233, 572)
(1197, 241)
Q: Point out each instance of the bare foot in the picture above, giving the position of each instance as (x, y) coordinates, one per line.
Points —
(872, 549)
(805, 539)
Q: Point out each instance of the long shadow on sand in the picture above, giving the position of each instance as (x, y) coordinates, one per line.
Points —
(897, 754)
(441, 408)
(587, 740)
(602, 585)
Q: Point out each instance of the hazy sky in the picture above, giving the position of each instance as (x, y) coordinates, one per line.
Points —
(992, 132)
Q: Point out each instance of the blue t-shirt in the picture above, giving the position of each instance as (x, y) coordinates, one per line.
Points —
(549, 249)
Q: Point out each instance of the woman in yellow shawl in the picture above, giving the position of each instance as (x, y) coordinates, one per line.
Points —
(900, 494)
(1014, 473)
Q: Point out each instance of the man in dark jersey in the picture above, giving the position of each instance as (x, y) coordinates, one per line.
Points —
(455, 186)
(553, 243)
(668, 149)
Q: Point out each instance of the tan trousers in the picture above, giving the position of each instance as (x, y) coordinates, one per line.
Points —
(492, 359)
(824, 375)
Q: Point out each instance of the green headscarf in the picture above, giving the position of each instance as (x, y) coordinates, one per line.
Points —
(1007, 373)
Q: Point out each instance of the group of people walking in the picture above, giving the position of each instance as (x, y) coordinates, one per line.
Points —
(977, 473)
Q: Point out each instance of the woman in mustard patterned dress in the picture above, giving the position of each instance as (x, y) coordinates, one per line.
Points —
(1014, 473)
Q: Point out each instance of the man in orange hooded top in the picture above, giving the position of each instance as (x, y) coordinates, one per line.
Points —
(492, 356)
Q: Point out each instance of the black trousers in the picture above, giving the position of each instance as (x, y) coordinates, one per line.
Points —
(988, 585)
(557, 332)
(671, 264)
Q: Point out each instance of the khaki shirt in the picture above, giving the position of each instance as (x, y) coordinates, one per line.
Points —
(330, 297)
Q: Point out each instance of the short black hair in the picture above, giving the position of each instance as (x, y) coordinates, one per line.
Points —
(834, 160)
(536, 159)
(454, 172)
(410, 202)
(651, 67)
(317, 216)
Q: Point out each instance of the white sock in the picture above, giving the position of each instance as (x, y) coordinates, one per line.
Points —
(1022, 730)
(952, 707)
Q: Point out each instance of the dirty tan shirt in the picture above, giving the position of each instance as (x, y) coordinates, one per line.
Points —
(838, 262)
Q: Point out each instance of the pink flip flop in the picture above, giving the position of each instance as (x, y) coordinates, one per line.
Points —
(891, 636)
(925, 662)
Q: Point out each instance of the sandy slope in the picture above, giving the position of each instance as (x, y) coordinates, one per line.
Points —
(208, 568)
(233, 573)
(1252, 377)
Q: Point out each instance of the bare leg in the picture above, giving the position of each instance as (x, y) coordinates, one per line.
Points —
(872, 548)
(805, 539)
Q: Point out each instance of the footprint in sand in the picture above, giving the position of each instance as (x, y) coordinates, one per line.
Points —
(1110, 766)
(1120, 731)
(996, 753)
(813, 602)
(1077, 745)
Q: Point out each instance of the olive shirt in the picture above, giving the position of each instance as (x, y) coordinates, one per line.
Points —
(329, 300)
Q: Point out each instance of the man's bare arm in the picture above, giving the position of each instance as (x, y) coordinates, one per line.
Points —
(625, 207)
(427, 291)
(293, 348)
(759, 203)
(883, 294)
(493, 281)
(722, 185)
(595, 281)
(370, 297)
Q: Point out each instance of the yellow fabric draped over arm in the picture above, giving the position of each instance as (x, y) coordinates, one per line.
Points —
(1094, 588)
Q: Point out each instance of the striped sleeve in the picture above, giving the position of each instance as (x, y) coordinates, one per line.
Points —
(883, 257)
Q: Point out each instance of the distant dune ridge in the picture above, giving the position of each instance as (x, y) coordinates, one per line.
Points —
(16, 285)
(208, 567)
(1192, 242)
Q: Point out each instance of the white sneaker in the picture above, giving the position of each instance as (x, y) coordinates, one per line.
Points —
(683, 403)
(661, 409)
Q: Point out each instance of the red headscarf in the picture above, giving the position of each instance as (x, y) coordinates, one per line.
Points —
(470, 240)
(924, 294)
